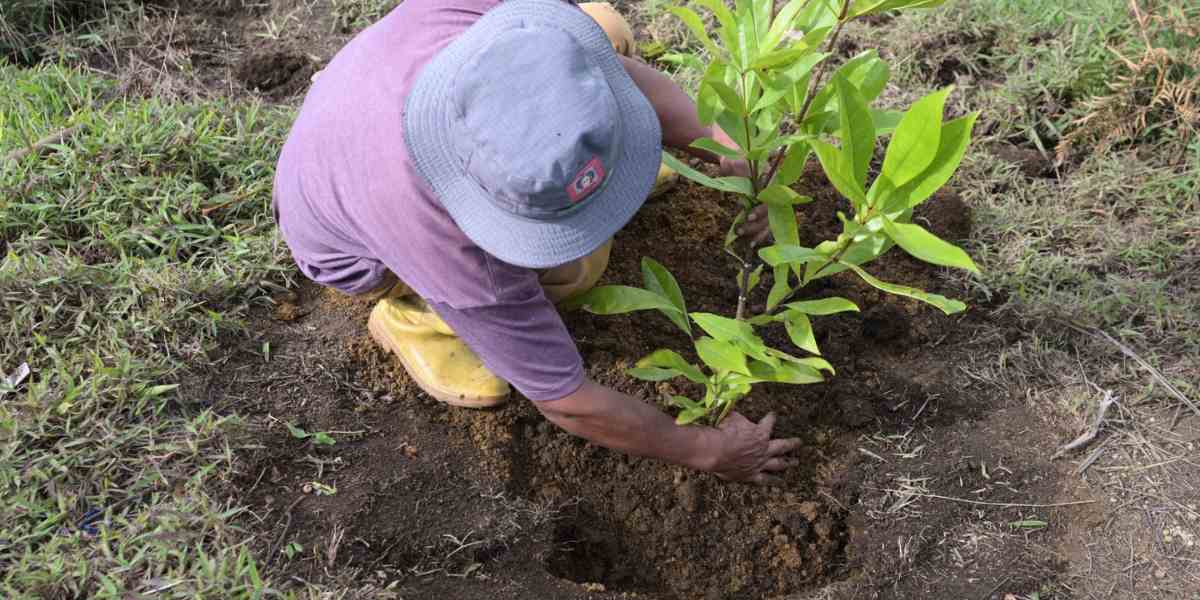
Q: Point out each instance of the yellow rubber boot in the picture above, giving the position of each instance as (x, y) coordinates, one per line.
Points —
(433, 355)
(576, 277)
(667, 178)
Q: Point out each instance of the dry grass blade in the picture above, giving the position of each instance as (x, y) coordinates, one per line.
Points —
(57, 137)
(1127, 351)
(1086, 437)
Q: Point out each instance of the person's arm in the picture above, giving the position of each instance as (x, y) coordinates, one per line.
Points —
(676, 112)
(681, 126)
(738, 450)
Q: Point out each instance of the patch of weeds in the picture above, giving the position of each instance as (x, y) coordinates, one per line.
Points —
(1022, 62)
(350, 16)
(1151, 95)
(1114, 247)
(130, 248)
(24, 24)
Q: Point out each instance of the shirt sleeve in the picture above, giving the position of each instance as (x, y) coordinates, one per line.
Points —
(524, 342)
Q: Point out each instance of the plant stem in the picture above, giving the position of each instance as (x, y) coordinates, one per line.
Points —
(743, 293)
(813, 85)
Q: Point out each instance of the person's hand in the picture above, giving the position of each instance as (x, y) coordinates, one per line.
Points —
(734, 167)
(756, 229)
(747, 453)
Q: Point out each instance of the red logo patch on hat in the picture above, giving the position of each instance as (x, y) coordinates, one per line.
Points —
(587, 180)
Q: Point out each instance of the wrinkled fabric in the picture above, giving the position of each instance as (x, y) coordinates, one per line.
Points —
(351, 206)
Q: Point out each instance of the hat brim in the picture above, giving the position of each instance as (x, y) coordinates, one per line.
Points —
(512, 238)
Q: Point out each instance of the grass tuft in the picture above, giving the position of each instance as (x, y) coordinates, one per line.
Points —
(129, 249)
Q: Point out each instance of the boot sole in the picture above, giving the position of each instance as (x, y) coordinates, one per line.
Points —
(380, 337)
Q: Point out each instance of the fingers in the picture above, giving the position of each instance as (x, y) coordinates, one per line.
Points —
(764, 479)
(767, 424)
(779, 464)
(781, 447)
(762, 237)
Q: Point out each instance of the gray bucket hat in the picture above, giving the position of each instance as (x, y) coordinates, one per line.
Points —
(532, 135)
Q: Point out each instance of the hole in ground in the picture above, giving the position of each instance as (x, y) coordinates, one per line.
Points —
(587, 549)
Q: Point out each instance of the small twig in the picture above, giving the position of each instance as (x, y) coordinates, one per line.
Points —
(997, 587)
(283, 534)
(41, 145)
(1086, 437)
(1141, 361)
(1093, 457)
(1001, 504)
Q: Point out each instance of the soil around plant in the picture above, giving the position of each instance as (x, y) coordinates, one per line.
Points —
(430, 497)
(911, 453)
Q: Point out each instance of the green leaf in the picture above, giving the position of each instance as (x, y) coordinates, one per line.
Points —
(779, 58)
(747, 35)
(733, 331)
(785, 22)
(824, 306)
(785, 255)
(786, 81)
(817, 363)
(721, 356)
(916, 140)
(866, 71)
(736, 185)
(711, 145)
(669, 359)
(793, 164)
(659, 280)
(885, 121)
(819, 13)
(696, 25)
(158, 390)
(321, 438)
(685, 403)
(297, 432)
(728, 25)
(723, 328)
(956, 136)
(618, 299)
(780, 288)
(799, 329)
(886, 5)
(917, 241)
(857, 130)
(943, 303)
(690, 415)
(783, 195)
(755, 278)
(839, 173)
(652, 373)
(794, 370)
(781, 218)
(729, 96)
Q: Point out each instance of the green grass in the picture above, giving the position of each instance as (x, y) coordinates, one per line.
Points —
(1111, 241)
(128, 250)
(25, 24)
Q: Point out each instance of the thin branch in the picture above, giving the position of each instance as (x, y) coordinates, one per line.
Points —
(1001, 504)
(283, 534)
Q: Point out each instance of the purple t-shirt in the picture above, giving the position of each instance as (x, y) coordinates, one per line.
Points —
(351, 205)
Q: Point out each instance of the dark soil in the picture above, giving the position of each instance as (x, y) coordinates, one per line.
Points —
(437, 502)
(555, 516)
